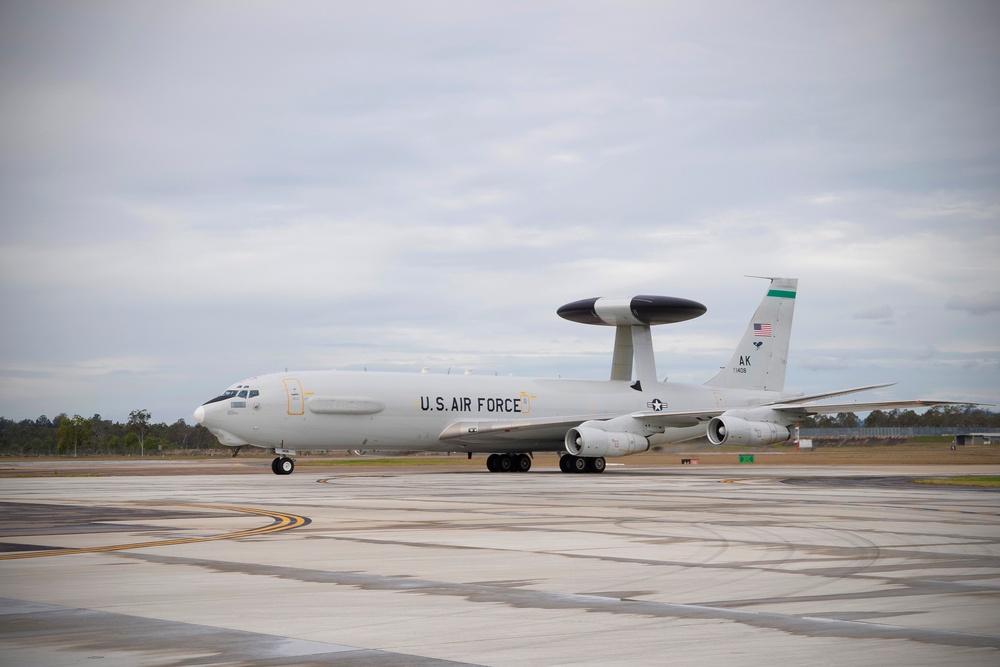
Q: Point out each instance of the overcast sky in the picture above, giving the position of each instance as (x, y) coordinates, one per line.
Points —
(194, 193)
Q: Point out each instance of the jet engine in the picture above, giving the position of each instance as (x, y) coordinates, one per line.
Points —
(588, 441)
(734, 431)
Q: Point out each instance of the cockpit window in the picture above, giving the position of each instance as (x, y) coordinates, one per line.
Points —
(241, 391)
(229, 393)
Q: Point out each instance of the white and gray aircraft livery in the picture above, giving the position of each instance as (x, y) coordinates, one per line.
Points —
(510, 418)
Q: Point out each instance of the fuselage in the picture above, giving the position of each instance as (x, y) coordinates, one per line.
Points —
(345, 410)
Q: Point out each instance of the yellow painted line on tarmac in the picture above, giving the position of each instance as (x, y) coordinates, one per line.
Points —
(282, 521)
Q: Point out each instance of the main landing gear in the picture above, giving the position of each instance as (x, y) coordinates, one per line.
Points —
(522, 463)
(570, 463)
(508, 463)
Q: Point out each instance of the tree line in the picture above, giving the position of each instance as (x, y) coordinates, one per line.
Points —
(943, 416)
(80, 436)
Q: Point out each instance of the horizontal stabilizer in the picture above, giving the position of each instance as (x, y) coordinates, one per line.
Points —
(806, 409)
(830, 394)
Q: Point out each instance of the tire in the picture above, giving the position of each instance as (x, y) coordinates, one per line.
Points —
(564, 463)
(493, 463)
(504, 464)
(596, 465)
(274, 466)
(522, 462)
(578, 464)
(286, 465)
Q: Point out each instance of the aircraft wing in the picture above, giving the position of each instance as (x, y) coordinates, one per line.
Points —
(678, 418)
(694, 417)
(554, 429)
(535, 430)
(792, 409)
(807, 409)
(803, 406)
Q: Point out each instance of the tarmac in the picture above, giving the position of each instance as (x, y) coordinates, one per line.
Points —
(692, 565)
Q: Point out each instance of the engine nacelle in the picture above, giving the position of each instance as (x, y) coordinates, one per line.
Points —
(735, 431)
(592, 442)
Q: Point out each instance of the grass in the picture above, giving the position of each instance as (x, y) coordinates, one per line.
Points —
(986, 482)
(932, 439)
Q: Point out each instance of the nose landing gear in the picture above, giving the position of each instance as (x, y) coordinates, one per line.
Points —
(283, 465)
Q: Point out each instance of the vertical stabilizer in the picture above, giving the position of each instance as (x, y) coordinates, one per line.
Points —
(761, 357)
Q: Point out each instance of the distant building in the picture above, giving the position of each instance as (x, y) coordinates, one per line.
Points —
(977, 439)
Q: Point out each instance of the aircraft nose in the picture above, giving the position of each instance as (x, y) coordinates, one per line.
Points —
(199, 414)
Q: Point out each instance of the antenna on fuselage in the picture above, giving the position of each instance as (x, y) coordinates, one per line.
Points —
(632, 319)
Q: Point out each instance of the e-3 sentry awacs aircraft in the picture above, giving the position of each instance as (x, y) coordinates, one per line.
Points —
(510, 418)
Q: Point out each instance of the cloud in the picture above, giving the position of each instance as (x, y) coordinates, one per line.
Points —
(209, 194)
(882, 313)
(967, 210)
(826, 363)
(568, 158)
(984, 303)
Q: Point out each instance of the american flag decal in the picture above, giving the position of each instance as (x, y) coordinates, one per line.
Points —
(762, 330)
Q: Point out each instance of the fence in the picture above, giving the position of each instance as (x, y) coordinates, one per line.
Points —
(895, 431)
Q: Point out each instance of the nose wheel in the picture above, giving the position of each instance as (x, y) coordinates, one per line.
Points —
(282, 466)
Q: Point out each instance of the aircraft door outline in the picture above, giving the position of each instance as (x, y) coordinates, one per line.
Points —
(296, 402)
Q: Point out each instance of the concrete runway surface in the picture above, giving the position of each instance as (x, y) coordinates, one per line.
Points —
(403, 566)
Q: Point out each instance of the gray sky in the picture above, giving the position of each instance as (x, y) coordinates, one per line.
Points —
(194, 193)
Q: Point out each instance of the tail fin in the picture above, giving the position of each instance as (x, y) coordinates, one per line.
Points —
(760, 359)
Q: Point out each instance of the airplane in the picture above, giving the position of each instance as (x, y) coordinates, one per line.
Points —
(511, 418)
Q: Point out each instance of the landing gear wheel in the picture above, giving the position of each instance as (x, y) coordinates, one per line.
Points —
(522, 462)
(504, 464)
(493, 463)
(596, 464)
(274, 466)
(285, 466)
